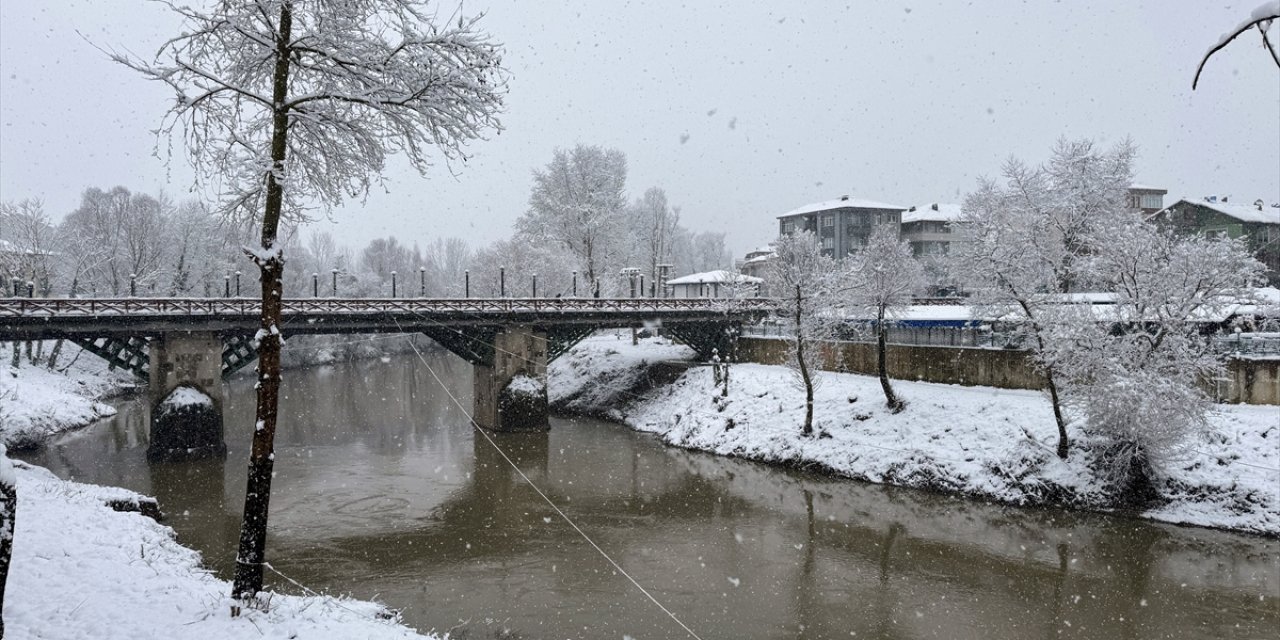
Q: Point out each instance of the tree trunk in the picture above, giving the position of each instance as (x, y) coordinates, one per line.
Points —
(253, 530)
(807, 429)
(53, 355)
(890, 398)
(1063, 443)
(8, 524)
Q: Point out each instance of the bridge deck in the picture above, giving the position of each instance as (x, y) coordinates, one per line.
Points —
(43, 318)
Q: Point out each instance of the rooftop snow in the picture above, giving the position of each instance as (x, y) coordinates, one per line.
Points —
(1137, 186)
(841, 203)
(1238, 210)
(945, 212)
(715, 277)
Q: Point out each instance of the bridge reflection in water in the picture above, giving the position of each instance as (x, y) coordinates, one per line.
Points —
(384, 490)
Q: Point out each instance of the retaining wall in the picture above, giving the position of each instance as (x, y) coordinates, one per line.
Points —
(1252, 381)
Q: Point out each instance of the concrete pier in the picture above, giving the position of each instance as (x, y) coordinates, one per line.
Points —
(520, 357)
(186, 368)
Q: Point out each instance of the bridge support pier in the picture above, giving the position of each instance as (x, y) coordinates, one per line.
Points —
(185, 396)
(511, 395)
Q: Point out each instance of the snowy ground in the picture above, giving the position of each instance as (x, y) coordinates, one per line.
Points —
(990, 443)
(36, 402)
(83, 570)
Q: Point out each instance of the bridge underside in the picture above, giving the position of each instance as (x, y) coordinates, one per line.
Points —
(473, 343)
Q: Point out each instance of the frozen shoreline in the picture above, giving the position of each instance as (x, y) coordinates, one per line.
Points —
(992, 444)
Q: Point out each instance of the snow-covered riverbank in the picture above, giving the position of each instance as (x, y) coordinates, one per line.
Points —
(36, 402)
(994, 444)
(83, 570)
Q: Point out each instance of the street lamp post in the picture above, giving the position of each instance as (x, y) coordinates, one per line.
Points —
(393, 284)
(422, 279)
(335, 281)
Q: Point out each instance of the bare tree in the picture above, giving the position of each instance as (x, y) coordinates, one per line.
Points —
(655, 224)
(880, 280)
(1031, 239)
(284, 104)
(802, 277)
(1261, 18)
(577, 201)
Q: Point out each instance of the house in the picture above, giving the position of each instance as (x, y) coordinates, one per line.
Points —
(930, 229)
(1146, 199)
(756, 262)
(1257, 222)
(842, 226)
(714, 284)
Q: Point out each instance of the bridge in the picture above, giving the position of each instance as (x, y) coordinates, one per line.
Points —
(197, 342)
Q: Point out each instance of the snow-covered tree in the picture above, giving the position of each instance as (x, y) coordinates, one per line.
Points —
(879, 282)
(288, 104)
(1262, 18)
(30, 240)
(654, 224)
(577, 202)
(803, 279)
(1134, 371)
(1030, 240)
(128, 232)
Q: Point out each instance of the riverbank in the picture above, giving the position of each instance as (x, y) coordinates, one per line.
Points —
(37, 402)
(84, 570)
(992, 444)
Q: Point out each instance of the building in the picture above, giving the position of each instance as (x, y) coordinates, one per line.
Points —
(842, 226)
(756, 262)
(930, 229)
(1257, 222)
(714, 284)
(1146, 199)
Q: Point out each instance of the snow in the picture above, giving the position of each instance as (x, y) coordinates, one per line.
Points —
(7, 478)
(994, 444)
(938, 212)
(1267, 10)
(83, 570)
(526, 385)
(841, 203)
(1244, 212)
(718, 276)
(36, 402)
(185, 397)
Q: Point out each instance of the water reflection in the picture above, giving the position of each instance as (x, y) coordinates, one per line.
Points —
(382, 489)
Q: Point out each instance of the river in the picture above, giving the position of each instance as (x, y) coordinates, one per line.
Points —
(383, 491)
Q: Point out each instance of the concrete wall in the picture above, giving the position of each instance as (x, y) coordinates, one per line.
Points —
(517, 351)
(191, 358)
(1247, 381)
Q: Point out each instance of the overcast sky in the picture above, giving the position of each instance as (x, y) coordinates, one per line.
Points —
(740, 110)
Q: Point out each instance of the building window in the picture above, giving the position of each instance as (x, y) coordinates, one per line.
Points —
(788, 227)
(828, 220)
(1152, 201)
(828, 243)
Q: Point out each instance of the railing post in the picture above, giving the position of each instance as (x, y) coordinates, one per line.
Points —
(575, 283)
(502, 282)
(133, 285)
(315, 285)
(642, 285)
(335, 282)
(237, 283)
(466, 283)
(422, 277)
(535, 285)
(393, 284)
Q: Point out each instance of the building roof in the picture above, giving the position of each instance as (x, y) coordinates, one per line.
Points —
(1238, 210)
(843, 202)
(940, 212)
(718, 276)
(1137, 186)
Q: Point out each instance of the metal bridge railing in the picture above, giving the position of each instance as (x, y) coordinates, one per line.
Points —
(97, 307)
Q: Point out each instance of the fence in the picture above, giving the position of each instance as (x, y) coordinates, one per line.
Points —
(971, 337)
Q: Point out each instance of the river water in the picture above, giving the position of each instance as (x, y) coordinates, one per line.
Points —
(383, 491)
